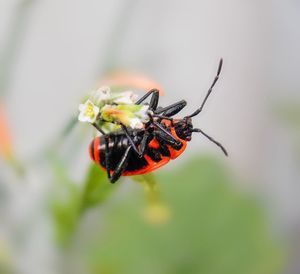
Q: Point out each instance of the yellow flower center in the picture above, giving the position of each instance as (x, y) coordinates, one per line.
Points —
(89, 111)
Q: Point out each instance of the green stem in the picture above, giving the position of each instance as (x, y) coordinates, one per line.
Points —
(10, 51)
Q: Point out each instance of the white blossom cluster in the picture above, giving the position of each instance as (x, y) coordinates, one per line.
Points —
(113, 108)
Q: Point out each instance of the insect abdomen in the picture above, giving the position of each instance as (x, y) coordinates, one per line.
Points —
(156, 155)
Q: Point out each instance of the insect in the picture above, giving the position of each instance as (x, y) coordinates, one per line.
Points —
(138, 151)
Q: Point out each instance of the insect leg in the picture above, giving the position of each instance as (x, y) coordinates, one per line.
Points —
(166, 132)
(166, 139)
(145, 141)
(121, 165)
(154, 100)
(161, 117)
(154, 154)
(211, 139)
(130, 140)
(163, 147)
(171, 109)
(99, 129)
(209, 91)
(142, 99)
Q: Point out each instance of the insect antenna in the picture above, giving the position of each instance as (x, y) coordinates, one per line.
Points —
(209, 91)
(211, 139)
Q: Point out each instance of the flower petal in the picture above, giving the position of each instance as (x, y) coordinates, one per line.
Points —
(126, 97)
(88, 112)
(100, 95)
(135, 123)
(143, 114)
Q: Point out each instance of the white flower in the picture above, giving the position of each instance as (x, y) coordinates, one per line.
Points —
(88, 112)
(136, 123)
(142, 114)
(100, 95)
(126, 98)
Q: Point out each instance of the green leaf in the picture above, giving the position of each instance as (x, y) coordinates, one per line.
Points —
(70, 201)
(5, 260)
(157, 211)
(65, 202)
(65, 209)
(216, 229)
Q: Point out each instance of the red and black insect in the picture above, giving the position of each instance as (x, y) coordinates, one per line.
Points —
(139, 151)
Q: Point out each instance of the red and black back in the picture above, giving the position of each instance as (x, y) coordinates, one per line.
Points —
(158, 152)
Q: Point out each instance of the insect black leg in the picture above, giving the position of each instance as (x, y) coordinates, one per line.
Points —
(142, 99)
(99, 129)
(211, 139)
(131, 141)
(166, 132)
(171, 109)
(154, 154)
(166, 139)
(163, 147)
(161, 117)
(145, 141)
(154, 100)
(208, 92)
(121, 165)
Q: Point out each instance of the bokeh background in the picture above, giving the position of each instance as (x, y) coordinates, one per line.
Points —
(203, 213)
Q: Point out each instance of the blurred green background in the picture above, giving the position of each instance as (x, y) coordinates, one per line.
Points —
(203, 213)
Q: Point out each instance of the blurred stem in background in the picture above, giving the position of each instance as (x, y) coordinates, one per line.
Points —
(289, 113)
(156, 211)
(6, 146)
(117, 37)
(8, 56)
(9, 52)
(5, 135)
(5, 259)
